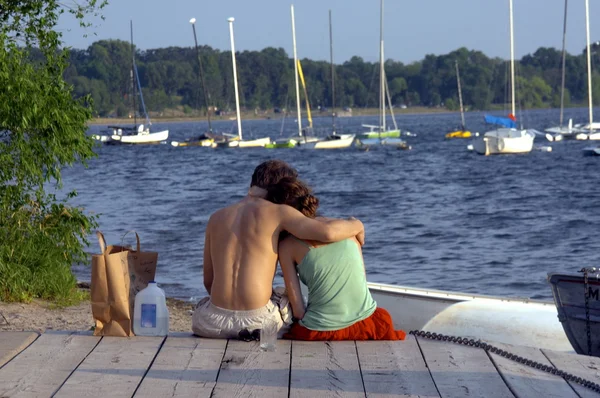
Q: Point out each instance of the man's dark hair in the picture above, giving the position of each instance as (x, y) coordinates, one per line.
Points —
(271, 172)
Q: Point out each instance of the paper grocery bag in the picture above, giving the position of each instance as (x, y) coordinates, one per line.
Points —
(142, 269)
(109, 290)
(117, 275)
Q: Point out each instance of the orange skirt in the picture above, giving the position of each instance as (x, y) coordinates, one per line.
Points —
(378, 326)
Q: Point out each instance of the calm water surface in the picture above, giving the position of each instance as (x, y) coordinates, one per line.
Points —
(437, 216)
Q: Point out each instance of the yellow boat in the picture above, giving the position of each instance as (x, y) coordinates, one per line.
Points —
(462, 133)
(459, 134)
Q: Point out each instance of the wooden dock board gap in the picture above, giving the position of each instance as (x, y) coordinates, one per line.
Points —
(247, 371)
(525, 381)
(13, 343)
(113, 369)
(44, 366)
(462, 371)
(150, 366)
(186, 366)
(325, 369)
(582, 366)
(395, 368)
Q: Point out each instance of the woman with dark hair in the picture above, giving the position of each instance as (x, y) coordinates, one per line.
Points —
(340, 306)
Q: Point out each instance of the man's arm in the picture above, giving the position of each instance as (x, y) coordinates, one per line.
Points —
(290, 276)
(208, 265)
(329, 230)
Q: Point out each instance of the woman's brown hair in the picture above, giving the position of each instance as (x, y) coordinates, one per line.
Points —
(294, 192)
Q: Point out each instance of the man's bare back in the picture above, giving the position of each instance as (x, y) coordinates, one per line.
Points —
(241, 244)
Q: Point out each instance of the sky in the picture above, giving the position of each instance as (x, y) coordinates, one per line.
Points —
(412, 29)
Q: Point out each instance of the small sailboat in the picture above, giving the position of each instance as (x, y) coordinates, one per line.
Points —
(379, 135)
(303, 136)
(561, 131)
(507, 139)
(136, 134)
(592, 129)
(334, 140)
(208, 138)
(463, 132)
(240, 142)
(306, 134)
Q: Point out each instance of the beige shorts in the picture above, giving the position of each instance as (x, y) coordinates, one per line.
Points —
(215, 322)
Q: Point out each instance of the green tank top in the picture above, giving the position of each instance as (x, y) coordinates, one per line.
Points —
(337, 286)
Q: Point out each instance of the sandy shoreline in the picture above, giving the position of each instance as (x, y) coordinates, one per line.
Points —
(40, 315)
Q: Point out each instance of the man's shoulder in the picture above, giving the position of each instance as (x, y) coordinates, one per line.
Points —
(258, 205)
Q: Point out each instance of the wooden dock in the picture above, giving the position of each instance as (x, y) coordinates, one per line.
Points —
(75, 364)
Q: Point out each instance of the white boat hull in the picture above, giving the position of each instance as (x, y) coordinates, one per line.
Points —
(142, 138)
(509, 321)
(591, 151)
(102, 138)
(307, 140)
(594, 136)
(371, 142)
(260, 142)
(504, 141)
(336, 142)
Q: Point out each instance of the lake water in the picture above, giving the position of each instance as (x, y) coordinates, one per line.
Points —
(438, 216)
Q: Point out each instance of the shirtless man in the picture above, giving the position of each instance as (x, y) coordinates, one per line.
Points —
(240, 255)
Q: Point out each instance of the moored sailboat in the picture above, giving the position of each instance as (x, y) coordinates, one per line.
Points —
(240, 142)
(136, 134)
(334, 140)
(379, 135)
(508, 139)
(463, 132)
(593, 129)
(208, 138)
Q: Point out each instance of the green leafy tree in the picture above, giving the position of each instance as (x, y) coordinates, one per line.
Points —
(42, 129)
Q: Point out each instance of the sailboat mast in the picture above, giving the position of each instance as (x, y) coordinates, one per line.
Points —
(589, 61)
(512, 59)
(204, 90)
(381, 76)
(332, 75)
(389, 102)
(133, 89)
(235, 82)
(296, 74)
(564, 56)
(462, 112)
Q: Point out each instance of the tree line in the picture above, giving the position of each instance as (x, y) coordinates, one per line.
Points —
(169, 79)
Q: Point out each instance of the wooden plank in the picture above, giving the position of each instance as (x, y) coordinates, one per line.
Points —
(325, 369)
(114, 369)
(461, 371)
(247, 371)
(45, 365)
(395, 369)
(12, 343)
(579, 365)
(525, 381)
(185, 367)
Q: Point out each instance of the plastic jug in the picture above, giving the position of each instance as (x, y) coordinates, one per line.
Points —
(151, 315)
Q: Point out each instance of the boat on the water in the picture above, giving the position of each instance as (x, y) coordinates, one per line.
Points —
(379, 135)
(239, 142)
(334, 140)
(136, 134)
(507, 139)
(462, 132)
(505, 320)
(577, 300)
